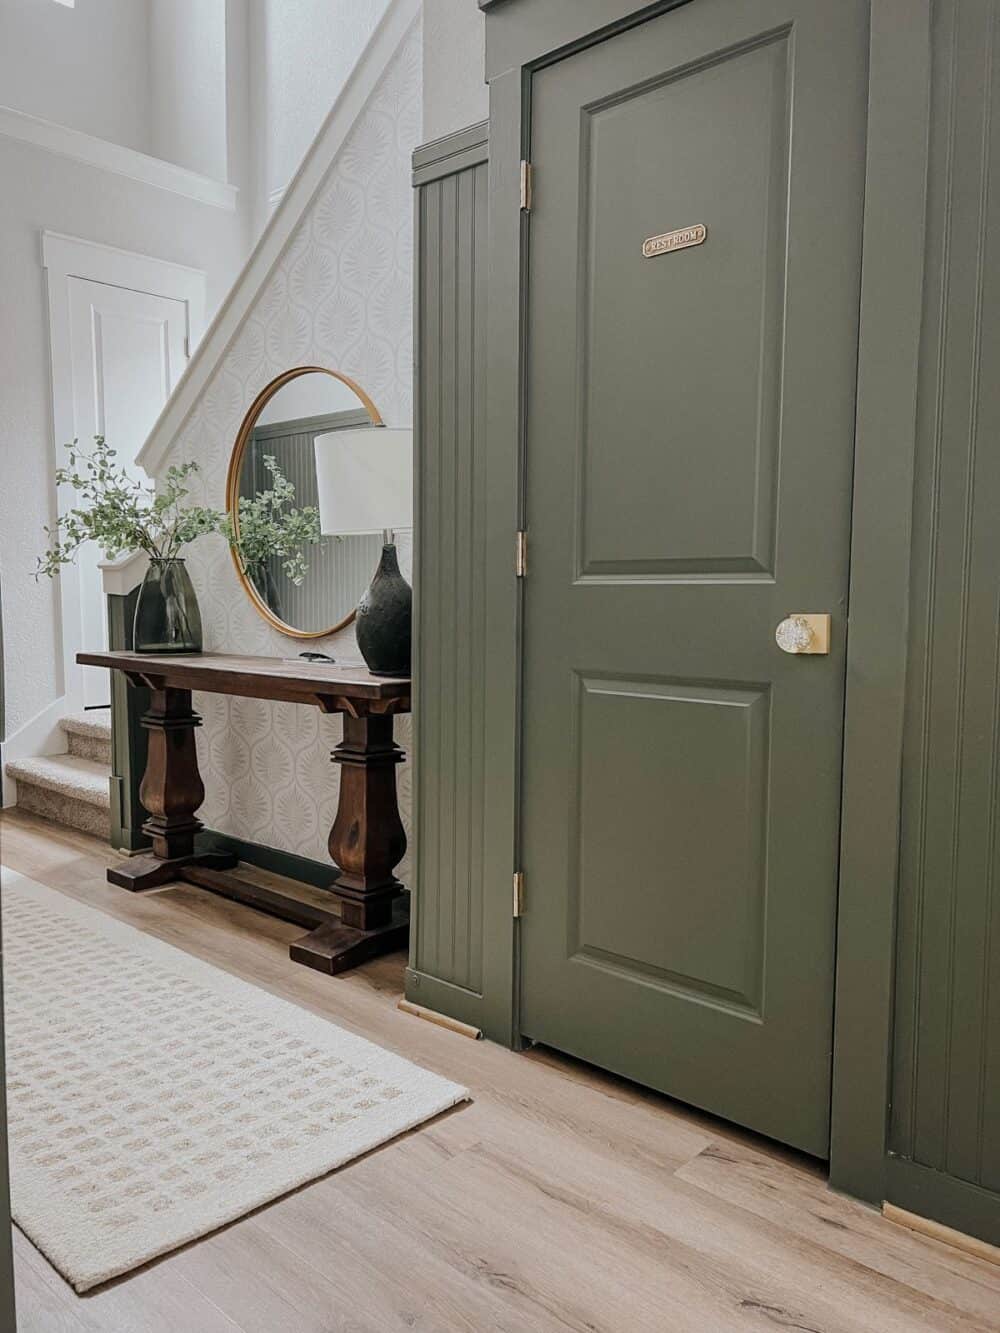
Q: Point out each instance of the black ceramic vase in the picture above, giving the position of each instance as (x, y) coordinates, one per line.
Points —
(385, 616)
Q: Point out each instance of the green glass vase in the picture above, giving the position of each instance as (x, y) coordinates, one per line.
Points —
(167, 618)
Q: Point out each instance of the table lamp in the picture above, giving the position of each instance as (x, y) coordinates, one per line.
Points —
(365, 482)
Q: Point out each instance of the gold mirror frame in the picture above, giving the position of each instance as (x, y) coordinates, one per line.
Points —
(233, 488)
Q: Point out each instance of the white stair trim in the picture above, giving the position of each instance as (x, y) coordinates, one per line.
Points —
(123, 573)
(43, 735)
(371, 66)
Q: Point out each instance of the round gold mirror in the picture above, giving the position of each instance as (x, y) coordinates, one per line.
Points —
(305, 584)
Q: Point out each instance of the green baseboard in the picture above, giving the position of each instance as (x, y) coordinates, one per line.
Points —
(446, 998)
(321, 874)
(956, 1203)
(125, 837)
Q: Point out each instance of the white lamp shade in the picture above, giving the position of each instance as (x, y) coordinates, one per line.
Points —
(365, 480)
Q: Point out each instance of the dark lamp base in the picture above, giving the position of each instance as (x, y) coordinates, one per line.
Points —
(385, 617)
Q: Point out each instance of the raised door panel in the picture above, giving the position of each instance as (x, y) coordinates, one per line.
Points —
(699, 373)
(677, 901)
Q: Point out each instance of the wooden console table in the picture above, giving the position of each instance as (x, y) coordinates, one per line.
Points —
(367, 840)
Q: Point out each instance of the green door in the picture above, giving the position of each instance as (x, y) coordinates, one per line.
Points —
(689, 447)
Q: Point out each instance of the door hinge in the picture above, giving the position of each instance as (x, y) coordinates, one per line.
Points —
(518, 893)
(527, 172)
(187, 348)
(520, 554)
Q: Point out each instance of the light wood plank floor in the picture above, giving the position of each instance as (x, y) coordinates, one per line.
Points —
(561, 1199)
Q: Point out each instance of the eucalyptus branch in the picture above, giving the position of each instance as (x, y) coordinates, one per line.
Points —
(122, 514)
(268, 526)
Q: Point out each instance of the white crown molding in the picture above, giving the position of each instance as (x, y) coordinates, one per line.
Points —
(116, 158)
(372, 64)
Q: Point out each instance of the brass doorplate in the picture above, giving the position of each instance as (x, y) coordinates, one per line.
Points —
(669, 241)
(819, 624)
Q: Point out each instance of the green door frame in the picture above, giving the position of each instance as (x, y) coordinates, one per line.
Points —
(885, 445)
(521, 37)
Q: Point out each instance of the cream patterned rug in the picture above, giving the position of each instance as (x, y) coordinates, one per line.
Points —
(153, 1097)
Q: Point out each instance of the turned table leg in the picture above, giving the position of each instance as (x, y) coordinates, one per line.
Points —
(367, 842)
(171, 791)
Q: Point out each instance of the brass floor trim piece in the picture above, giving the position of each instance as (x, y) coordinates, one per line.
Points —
(441, 1020)
(926, 1226)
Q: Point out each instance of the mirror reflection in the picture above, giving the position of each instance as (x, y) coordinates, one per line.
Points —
(305, 583)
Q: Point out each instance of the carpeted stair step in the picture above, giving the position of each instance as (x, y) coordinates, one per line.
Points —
(66, 789)
(88, 734)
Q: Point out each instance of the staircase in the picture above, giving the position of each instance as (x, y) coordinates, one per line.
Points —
(71, 788)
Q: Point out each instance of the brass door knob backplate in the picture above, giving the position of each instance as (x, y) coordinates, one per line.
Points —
(804, 632)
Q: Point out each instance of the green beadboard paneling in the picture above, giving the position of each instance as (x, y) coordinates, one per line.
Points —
(129, 738)
(449, 571)
(891, 305)
(946, 1064)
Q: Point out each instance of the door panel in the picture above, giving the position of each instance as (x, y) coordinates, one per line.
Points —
(688, 315)
(677, 743)
(689, 447)
(128, 350)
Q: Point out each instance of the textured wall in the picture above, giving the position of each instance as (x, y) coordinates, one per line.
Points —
(340, 296)
(86, 67)
(187, 84)
(455, 94)
(300, 57)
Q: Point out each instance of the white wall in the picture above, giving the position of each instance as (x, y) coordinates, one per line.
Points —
(85, 66)
(238, 150)
(301, 53)
(313, 395)
(44, 191)
(455, 94)
(187, 84)
(339, 296)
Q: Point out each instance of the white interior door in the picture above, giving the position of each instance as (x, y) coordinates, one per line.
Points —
(122, 326)
(127, 351)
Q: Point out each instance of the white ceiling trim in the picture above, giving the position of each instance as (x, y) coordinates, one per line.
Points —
(116, 158)
(382, 46)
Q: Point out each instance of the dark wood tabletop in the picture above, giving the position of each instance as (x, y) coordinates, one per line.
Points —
(258, 677)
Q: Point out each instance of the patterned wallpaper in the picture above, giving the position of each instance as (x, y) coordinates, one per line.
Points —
(340, 296)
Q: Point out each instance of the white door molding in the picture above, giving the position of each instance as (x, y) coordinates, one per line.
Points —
(65, 258)
(73, 257)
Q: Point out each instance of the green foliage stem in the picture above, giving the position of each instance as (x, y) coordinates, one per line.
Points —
(123, 514)
(270, 526)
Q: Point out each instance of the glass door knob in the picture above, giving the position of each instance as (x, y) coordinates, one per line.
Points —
(804, 632)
